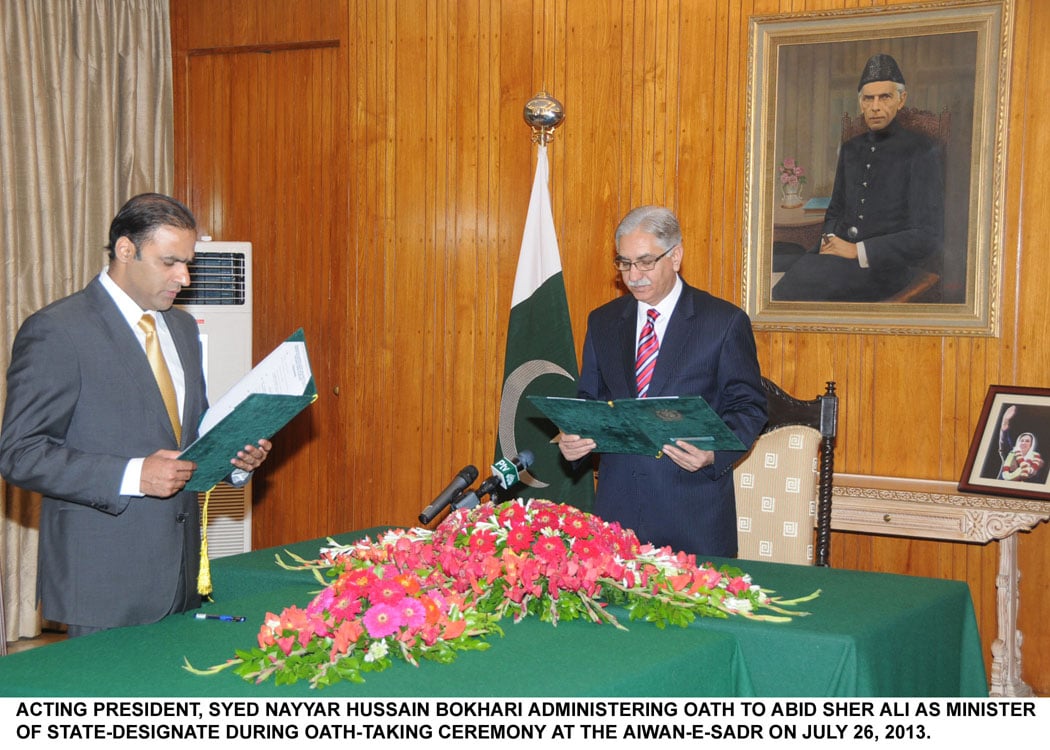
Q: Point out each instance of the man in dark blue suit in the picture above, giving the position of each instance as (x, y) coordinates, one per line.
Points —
(683, 499)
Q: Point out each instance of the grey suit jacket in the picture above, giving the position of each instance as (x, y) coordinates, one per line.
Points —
(81, 401)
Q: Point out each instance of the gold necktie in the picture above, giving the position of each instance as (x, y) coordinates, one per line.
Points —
(160, 372)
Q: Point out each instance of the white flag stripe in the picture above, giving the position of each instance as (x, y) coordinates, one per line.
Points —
(538, 258)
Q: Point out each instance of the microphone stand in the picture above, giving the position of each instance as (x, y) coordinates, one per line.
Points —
(467, 499)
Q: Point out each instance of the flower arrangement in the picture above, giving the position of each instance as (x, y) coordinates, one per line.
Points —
(791, 173)
(418, 594)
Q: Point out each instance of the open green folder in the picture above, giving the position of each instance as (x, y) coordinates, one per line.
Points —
(640, 425)
(257, 406)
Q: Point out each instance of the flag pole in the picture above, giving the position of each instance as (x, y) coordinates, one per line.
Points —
(544, 114)
(541, 357)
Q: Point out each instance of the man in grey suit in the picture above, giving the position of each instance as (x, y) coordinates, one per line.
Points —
(86, 426)
(705, 347)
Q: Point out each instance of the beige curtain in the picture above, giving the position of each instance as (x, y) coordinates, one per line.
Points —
(85, 123)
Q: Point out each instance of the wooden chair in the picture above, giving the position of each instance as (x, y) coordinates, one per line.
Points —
(938, 126)
(783, 485)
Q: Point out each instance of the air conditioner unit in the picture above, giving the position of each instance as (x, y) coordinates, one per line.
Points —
(220, 298)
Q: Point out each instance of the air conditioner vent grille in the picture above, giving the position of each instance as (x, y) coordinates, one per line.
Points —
(215, 279)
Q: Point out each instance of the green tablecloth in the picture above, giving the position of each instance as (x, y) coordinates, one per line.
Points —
(868, 635)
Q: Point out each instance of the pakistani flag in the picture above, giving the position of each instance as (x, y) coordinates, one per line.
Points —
(541, 359)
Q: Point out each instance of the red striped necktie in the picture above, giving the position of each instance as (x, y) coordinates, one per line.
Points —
(648, 348)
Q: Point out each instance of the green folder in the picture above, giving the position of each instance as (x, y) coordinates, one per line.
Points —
(258, 406)
(640, 425)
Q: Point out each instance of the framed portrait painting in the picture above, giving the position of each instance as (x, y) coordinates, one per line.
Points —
(1006, 456)
(875, 169)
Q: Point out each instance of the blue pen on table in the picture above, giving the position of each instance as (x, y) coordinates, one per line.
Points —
(224, 618)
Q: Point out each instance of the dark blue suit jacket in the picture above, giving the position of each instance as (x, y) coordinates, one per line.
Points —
(708, 350)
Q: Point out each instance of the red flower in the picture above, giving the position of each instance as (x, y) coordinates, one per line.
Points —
(454, 629)
(512, 514)
(708, 578)
(482, 542)
(409, 582)
(520, 537)
(358, 580)
(347, 634)
(545, 518)
(737, 585)
(385, 591)
(575, 524)
(550, 549)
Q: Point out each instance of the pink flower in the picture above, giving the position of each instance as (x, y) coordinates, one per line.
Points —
(382, 620)
(791, 173)
(413, 612)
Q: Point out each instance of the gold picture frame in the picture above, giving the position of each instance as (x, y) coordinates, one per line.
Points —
(803, 72)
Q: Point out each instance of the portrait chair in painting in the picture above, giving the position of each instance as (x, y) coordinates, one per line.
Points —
(938, 126)
(783, 484)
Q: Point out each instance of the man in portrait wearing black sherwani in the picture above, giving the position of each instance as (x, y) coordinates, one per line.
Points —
(886, 212)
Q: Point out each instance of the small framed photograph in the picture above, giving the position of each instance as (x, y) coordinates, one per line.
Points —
(1006, 454)
(875, 169)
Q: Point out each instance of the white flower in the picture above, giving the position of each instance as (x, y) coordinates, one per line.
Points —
(377, 650)
(737, 605)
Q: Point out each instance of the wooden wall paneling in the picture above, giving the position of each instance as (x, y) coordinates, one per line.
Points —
(239, 23)
(407, 299)
(910, 371)
(442, 141)
(1029, 357)
(263, 135)
(366, 459)
(727, 163)
(586, 157)
(474, 73)
(477, 233)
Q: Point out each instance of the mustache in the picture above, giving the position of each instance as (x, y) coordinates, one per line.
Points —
(642, 282)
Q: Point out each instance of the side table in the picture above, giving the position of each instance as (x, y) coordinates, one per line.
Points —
(928, 509)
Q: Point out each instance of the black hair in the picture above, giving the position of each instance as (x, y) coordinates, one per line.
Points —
(142, 215)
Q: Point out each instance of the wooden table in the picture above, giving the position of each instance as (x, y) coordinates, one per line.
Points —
(797, 225)
(867, 634)
(927, 509)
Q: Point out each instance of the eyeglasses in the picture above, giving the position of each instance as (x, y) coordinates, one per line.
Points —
(642, 264)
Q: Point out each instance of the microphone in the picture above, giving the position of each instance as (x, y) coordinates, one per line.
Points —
(461, 481)
(505, 473)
